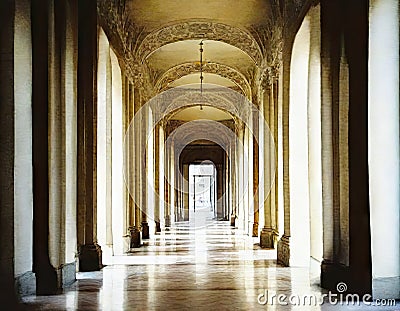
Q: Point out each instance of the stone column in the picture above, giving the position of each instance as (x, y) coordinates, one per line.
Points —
(237, 174)
(8, 297)
(22, 189)
(332, 271)
(46, 277)
(356, 40)
(135, 148)
(62, 122)
(89, 250)
(157, 171)
(171, 191)
(255, 174)
(161, 173)
(284, 242)
(247, 171)
(220, 186)
(104, 146)
(167, 219)
(384, 147)
(266, 236)
(240, 179)
(127, 116)
(131, 158)
(180, 193)
(186, 192)
(261, 128)
(314, 138)
(273, 151)
(233, 159)
(144, 172)
(226, 187)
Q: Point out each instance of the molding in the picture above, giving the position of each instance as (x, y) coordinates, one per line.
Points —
(185, 69)
(198, 30)
(180, 97)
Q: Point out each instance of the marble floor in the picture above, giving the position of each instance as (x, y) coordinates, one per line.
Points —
(211, 267)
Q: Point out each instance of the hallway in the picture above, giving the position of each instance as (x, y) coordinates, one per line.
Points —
(173, 154)
(185, 268)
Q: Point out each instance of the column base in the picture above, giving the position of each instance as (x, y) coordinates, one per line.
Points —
(167, 221)
(284, 251)
(386, 288)
(145, 230)
(158, 227)
(135, 238)
(46, 281)
(255, 230)
(25, 284)
(233, 218)
(332, 274)
(90, 257)
(267, 238)
(68, 273)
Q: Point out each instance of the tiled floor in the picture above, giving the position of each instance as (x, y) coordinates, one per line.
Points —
(213, 267)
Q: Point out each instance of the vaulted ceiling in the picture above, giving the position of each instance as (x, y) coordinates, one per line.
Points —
(154, 14)
(159, 40)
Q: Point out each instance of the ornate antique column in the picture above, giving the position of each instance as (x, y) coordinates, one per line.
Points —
(255, 173)
(144, 170)
(240, 179)
(157, 171)
(162, 172)
(233, 176)
(89, 250)
(220, 193)
(135, 148)
(384, 147)
(130, 164)
(284, 242)
(266, 236)
(16, 211)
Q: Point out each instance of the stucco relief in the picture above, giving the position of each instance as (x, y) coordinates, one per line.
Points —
(201, 30)
(188, 68)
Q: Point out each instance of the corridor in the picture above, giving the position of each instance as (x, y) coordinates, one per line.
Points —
(214, 267)
(173, 154)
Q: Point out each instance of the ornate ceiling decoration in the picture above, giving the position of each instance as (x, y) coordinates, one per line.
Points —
(169, 102)
(182, 70)
(207, 30)
(263, 44)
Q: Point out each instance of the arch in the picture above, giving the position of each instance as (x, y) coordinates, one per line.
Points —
(213, 95)
(185, 69)
(200, 30)
(173, 113)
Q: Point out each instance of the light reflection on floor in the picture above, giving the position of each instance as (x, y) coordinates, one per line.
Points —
(184, 268)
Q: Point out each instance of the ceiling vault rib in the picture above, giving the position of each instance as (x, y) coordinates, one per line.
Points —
(185, 69)
(200, 30)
